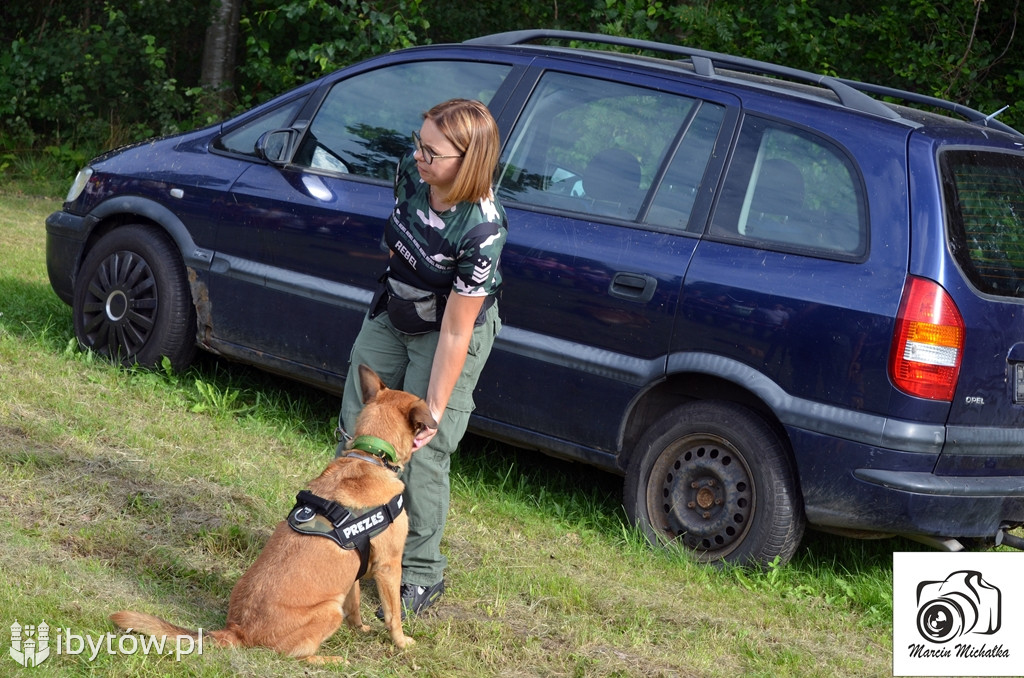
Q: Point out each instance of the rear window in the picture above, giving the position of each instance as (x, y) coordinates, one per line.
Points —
(791, 190)
(984, 197)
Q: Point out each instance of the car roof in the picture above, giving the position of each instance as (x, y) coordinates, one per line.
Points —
(719, 67)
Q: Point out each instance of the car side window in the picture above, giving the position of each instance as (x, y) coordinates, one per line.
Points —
(592, 146)
(365, 122)
(788, 189)
(678, 190)
(243, 139)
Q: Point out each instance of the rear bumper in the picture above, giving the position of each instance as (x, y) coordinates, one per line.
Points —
(944, 486)
(949, 506)
(863, 488)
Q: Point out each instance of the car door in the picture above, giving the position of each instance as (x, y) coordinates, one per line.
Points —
(793, 291)
(603, 183)
(314, 225)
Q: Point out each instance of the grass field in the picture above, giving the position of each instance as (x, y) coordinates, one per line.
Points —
(151, 491)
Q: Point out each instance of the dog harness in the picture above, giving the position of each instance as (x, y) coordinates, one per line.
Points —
(319, 517)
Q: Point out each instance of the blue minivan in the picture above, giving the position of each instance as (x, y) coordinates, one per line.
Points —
(769, 299)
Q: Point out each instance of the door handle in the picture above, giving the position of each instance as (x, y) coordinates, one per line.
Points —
(633, 286)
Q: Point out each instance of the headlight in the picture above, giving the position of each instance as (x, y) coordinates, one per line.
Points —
(81, 179)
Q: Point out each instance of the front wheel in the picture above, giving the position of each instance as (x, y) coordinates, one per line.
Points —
(132, 301)
(715, 478)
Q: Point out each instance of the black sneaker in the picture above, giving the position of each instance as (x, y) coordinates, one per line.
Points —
(416, 599)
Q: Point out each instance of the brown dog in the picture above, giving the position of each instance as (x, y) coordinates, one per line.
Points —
(302, 587)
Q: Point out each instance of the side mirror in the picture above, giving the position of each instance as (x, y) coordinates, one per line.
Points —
(277, 146)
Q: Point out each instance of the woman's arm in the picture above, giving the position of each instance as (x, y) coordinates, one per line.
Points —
(460, 315)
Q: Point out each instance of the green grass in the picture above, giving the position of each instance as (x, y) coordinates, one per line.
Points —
(154, 491)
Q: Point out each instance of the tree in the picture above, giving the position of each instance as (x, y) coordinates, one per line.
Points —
(220, 57)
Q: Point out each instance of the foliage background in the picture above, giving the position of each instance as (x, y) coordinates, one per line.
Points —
(77, 77)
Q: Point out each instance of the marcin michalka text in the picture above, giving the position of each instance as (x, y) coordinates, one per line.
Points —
(962, 651)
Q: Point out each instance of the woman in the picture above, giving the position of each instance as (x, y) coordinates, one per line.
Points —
(432, 323)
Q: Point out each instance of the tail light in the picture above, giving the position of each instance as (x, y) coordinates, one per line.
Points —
(928, 342)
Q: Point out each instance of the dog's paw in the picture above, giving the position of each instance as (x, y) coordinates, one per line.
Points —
(404, 642)
(363, 628)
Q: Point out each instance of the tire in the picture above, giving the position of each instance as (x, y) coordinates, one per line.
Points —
(132, 301)
(715, 478)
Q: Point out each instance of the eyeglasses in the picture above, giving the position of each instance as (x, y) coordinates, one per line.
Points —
(428, 156)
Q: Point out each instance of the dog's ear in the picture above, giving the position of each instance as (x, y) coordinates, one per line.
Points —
(420, 417)
(370, 383)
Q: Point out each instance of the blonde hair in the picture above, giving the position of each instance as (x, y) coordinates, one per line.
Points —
(470, 127)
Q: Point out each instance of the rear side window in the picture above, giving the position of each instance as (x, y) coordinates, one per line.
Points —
(365, 123)
(597, 147)
(984, 197)
(790, 190)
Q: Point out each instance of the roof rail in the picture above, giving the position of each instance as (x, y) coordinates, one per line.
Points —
(970, 114)
(851, 93)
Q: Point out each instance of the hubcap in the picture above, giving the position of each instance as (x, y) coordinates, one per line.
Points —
(120, 306)
(117, 305)
(701, 495)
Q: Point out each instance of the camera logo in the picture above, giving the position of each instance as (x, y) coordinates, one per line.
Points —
(961, 603)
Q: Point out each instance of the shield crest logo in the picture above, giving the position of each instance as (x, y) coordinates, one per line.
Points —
(30, 644)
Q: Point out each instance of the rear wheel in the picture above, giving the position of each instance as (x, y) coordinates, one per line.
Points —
(715, 478)
(132, 301)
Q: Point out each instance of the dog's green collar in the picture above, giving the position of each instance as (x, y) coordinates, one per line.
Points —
(376, 447)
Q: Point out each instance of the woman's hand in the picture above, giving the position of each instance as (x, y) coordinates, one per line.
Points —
(426, 434)
(457, 325)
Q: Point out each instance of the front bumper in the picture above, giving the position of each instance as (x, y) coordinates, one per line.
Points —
(65, 241)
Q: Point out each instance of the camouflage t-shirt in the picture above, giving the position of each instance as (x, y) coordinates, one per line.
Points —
(457, 250)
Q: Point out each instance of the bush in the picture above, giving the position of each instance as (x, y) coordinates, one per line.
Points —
(69, 82)
(97, 79)
(959, 50)
(294, 42)
(92, 75)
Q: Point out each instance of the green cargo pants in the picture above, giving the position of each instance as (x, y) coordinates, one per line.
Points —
(403, 361)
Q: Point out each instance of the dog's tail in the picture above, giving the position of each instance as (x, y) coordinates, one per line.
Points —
(139, 622)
